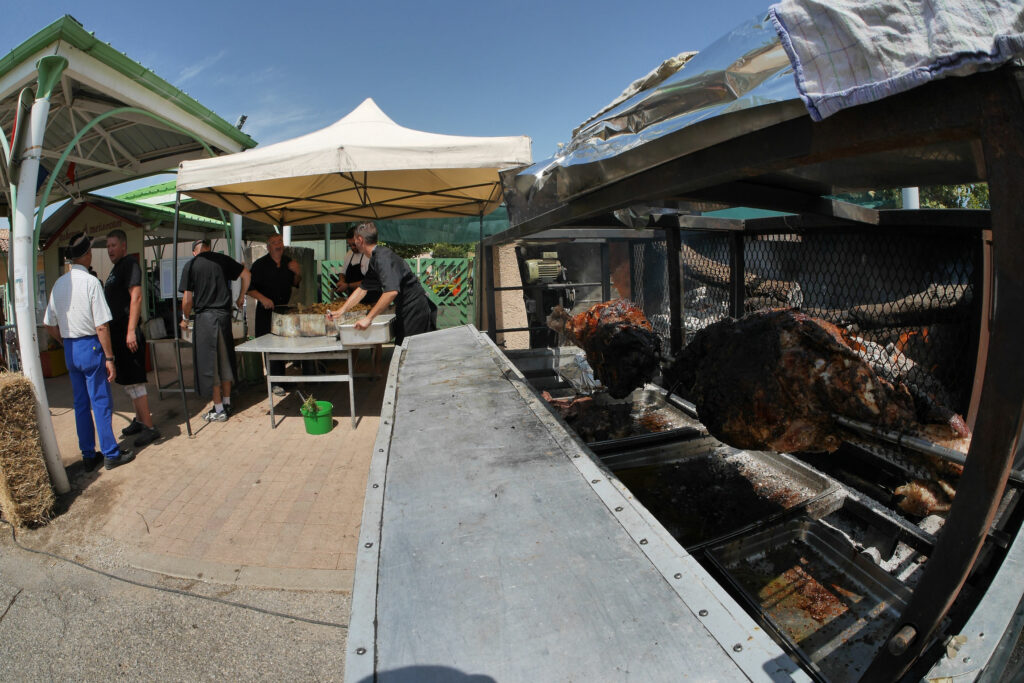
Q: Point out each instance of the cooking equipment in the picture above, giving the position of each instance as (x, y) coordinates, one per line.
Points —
(286, 321)
(701, 490)
(829, 602)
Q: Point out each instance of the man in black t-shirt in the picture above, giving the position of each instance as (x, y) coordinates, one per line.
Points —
(273, 277)
(388, 273)
(205, 284)
(123, 291)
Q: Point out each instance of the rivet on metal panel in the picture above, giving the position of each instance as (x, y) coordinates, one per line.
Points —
(380, 450)
(677, 575)
(367, 545)
(618, 509)
(643, 541)
(360, 650)
(703, 612)
(576, 456)
(594, 481)
(376, 486)
(737, 648)
(967, 660)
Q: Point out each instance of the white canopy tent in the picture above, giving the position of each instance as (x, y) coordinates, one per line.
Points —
(363, 167)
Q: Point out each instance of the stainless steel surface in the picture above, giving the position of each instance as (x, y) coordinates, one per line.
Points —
(497, 558)
(701, 490)
(288, 322)
(274, 348)
(831, 603)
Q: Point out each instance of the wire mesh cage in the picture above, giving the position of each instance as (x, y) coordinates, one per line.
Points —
(906, 299)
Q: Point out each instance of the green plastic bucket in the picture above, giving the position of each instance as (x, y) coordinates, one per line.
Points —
(322, 421)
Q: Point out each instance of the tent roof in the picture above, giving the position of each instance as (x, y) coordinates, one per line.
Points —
(97, 80)
(364, 166)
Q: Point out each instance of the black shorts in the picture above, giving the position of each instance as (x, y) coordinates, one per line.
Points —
(130, 365)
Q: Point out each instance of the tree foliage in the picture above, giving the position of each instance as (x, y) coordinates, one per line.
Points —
(971, 196)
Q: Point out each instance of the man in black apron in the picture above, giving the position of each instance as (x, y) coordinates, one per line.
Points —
(388, 273)
(205, 285)
(273, 277)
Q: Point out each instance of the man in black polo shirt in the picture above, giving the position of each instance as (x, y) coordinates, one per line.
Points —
(123, 290)
(205, 285)
(415, 313)
(273, 277)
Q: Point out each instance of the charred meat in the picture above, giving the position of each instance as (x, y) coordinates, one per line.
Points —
(594, 421)
(773, 379)
(620, 345)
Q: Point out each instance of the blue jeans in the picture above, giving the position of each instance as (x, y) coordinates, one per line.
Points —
(85, 360)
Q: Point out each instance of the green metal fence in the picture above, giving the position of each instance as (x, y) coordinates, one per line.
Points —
(448, 282)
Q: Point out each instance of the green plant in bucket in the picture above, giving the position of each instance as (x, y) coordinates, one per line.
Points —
(309, 407)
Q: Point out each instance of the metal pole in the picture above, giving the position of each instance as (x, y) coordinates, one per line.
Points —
(21, 252)
(236, 286)
(606, 275)
(174, 313)
(286, 230)
(737, 291)
(675, 299)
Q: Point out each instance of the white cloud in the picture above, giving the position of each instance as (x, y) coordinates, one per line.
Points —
(194, 70)
(269, 125)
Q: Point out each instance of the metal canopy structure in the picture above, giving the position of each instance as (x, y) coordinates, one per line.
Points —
(83, 117)
(99, 81)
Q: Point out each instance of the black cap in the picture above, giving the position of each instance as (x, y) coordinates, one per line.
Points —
(78, 245)
(195, 245)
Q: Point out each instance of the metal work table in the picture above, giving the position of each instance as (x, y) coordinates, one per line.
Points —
(494, 544)
(276, 348)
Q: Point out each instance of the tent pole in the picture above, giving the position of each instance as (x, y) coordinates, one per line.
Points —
(174, 310)
(22, 252)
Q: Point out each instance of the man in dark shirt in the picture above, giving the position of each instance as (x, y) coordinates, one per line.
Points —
(205, 285)
(123, 291)
(415, 313)
(273, 277)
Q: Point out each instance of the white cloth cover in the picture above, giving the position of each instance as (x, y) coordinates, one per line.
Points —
(850, 52)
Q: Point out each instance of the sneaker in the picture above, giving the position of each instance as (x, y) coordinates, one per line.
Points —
(134, 428)
(278, 390)
(227, 409)
(92, 464)
(214, 416)
(123, 457)
(147, 436)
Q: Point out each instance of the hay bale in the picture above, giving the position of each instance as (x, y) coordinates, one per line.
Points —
(26, 496)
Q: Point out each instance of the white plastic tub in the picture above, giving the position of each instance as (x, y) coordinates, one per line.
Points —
(379, 331)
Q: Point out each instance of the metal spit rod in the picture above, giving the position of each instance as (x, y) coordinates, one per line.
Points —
(914, 443)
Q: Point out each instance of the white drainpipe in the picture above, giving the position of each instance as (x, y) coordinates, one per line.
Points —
(911, 198)
(23, 253)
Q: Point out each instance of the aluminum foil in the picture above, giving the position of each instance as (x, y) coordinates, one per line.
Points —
(744, 69)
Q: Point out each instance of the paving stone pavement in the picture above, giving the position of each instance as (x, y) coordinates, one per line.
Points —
(238, 502)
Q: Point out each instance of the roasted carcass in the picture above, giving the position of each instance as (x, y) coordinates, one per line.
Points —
(621, 347)
(773, 379)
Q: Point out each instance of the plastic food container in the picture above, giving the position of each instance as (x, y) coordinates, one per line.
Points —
(379, 332)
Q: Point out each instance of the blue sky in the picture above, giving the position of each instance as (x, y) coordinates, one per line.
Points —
(526, 67)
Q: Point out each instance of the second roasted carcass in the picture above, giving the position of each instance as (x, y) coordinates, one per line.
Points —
(774, 379)
(620, 345)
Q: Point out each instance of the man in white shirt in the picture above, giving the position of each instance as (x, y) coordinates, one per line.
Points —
(78, 316)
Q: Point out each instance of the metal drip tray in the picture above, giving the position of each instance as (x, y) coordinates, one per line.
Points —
(646, 416)
(701, 490)
(830, 603)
